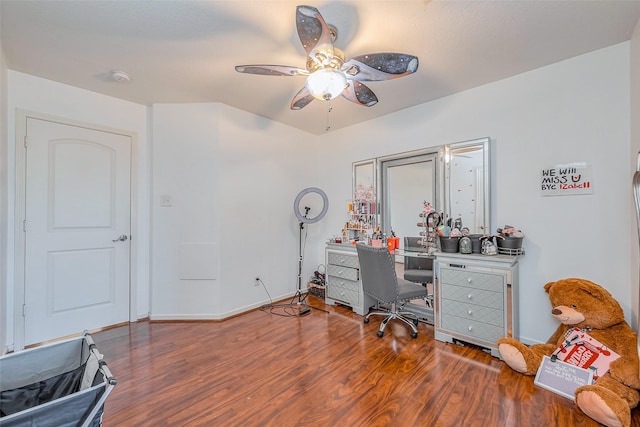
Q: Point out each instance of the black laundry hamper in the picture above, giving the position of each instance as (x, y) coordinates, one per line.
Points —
(63, 384)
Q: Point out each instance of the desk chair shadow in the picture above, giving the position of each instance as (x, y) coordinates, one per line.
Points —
(378, 275)
(418, 269)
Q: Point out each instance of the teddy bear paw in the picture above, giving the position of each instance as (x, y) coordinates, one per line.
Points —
(513, 357)
(592, 400)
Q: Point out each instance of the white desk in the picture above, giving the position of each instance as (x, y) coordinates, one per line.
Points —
(475, 296)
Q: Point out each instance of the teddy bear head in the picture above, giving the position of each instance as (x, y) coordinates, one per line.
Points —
(583, 304)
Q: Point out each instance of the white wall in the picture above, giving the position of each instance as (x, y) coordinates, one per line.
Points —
(42, 96)
(4, 162)
(264, 166)
(633, 156)
(233, 178)
(185, 141)
(576, 110)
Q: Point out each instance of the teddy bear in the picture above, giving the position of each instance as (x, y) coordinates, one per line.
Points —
(582, 304)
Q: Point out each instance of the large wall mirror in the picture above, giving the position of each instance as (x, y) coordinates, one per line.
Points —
(467, 184)
(407, 180)
(454, 178)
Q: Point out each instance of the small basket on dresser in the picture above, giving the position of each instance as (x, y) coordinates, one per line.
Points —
(509, 245)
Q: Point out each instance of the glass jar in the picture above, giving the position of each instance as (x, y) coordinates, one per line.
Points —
(465, 245)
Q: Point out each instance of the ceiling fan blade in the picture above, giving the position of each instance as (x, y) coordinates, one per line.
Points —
(302, 99)
(360, 94)
(380, 66)
(272, 70)
(314, 34)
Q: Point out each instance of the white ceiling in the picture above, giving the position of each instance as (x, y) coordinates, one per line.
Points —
(181, 51)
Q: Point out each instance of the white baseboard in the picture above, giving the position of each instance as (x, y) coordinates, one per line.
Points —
(527, 341)
(216, 316)
(7, 349)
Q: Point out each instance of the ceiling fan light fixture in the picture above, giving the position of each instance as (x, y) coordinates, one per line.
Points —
(328, 74)
(326, 83)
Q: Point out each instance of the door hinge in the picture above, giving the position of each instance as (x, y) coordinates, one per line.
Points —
(24, 310)
(24, 225)
(26, 141)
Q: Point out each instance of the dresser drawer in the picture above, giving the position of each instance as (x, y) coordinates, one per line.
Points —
(472, 296)
(340, 282)
(343, 272)
(472, 329)
(344, 290)
(473, 312)
(475, 279)
(345, 260)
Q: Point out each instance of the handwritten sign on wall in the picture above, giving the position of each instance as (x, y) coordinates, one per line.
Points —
(564, 180)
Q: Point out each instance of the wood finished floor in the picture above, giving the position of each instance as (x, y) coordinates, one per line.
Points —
(323, 369)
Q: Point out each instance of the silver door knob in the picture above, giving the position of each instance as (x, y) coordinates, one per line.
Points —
(121, 238)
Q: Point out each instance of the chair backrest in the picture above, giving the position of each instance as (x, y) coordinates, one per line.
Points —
(413, 244)
(415, 263)
(378, 272)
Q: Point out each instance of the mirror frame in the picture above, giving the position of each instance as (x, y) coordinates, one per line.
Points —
(435, 153)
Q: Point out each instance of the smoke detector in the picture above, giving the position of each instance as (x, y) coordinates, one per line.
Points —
(120, 76)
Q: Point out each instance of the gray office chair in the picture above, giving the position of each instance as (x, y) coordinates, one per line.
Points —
(378, 275)
(417, 269)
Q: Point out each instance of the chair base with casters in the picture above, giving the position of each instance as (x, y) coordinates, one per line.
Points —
(395, 313)
(379, 280)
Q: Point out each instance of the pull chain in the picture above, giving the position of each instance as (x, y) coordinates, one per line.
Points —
(329, 109)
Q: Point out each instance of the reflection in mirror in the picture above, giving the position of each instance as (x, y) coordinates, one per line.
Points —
(406, 183)
(364, 180)
(363, 208)
(467, 179)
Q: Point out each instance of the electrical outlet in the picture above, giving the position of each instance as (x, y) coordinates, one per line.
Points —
(257, 281)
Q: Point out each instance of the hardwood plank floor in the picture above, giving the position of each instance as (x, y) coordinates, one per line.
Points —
(323, 369)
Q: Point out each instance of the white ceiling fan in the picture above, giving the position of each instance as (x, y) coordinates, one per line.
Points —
(328, 75)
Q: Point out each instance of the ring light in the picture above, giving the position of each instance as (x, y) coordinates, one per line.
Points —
(296, 205)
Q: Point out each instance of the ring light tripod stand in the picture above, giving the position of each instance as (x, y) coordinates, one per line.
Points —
(304, 219)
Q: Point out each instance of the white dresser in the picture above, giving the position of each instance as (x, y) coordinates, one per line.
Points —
(476, 299)
(343, 278)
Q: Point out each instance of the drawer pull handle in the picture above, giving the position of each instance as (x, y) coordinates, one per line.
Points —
(469, 296)
(342, 261)
(342, 293)
(340, 273)
(470, 312)
(469, 280)
(470, 328)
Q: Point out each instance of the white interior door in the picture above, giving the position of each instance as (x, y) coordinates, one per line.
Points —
(78, 211)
